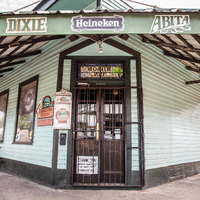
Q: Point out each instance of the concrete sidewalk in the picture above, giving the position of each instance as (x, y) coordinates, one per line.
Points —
(15, 188)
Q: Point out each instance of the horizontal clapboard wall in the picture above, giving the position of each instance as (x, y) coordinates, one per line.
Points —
(171, 109)
(45, 65)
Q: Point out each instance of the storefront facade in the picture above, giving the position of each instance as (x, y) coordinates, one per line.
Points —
(128, 118)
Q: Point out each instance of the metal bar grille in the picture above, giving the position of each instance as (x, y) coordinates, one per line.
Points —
(99, 162)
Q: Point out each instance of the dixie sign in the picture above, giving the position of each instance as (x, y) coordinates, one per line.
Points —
(26, 25)
(80, 23)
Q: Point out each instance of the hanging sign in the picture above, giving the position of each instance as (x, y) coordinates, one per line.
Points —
(62, 110)
(45, 110)
(83, 23)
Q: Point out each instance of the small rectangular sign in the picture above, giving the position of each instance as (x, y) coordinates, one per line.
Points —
(45, 113)
(45, 122)
(87, 165)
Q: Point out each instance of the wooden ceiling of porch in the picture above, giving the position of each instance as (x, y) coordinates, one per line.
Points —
(183, 47)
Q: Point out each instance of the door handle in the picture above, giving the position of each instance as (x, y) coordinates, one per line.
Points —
(97, 132)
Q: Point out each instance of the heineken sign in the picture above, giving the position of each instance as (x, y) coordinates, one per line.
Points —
(171, 24)
(26, 25)
(80, 23)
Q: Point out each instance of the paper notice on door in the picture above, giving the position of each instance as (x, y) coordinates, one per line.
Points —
(87, 165)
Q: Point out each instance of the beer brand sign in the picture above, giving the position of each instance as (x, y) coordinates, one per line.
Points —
(80, 23)
(26, 25)
(170, 24)
(45, 110)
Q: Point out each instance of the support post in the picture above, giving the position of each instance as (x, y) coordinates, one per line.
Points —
(56, 132)
(99, 7)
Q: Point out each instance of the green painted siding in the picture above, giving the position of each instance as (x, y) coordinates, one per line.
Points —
(165, 99)
(171, 109)
(40, 151)
(71, 4)
(66, 74)
(62, 149)
(62, 152)
(134, 118)
(45, 65)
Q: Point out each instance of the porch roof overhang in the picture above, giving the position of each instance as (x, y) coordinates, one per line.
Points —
(175, 31)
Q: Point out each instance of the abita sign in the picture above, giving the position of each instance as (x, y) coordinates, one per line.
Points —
(80, 23)
(170, 24)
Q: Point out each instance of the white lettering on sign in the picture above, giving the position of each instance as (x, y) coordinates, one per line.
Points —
(87, 165)
(104, 23)
(170, 24)
(26, 25)
(80, 23)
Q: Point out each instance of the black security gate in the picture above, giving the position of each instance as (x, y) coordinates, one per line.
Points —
(99, 136)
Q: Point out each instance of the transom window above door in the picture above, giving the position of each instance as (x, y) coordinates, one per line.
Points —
(101, 71)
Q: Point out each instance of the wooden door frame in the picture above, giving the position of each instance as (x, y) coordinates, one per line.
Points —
(75, 60)
(137, 57)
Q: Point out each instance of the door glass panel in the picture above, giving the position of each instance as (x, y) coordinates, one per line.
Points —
(86, 151)
(86, 114)
(112, 145)
(113, 114)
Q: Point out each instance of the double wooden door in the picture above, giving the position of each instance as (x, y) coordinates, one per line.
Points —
(99, 137)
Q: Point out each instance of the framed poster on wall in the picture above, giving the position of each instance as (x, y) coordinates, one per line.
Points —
(26, 111)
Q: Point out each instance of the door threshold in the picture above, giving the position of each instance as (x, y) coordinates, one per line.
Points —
(99, 185)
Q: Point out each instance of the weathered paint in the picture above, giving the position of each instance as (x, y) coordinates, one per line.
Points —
(172, 23)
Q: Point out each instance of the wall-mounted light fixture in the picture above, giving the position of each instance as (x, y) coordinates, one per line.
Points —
(100, 47)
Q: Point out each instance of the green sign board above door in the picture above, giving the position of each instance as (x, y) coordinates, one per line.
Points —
(92, 23)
